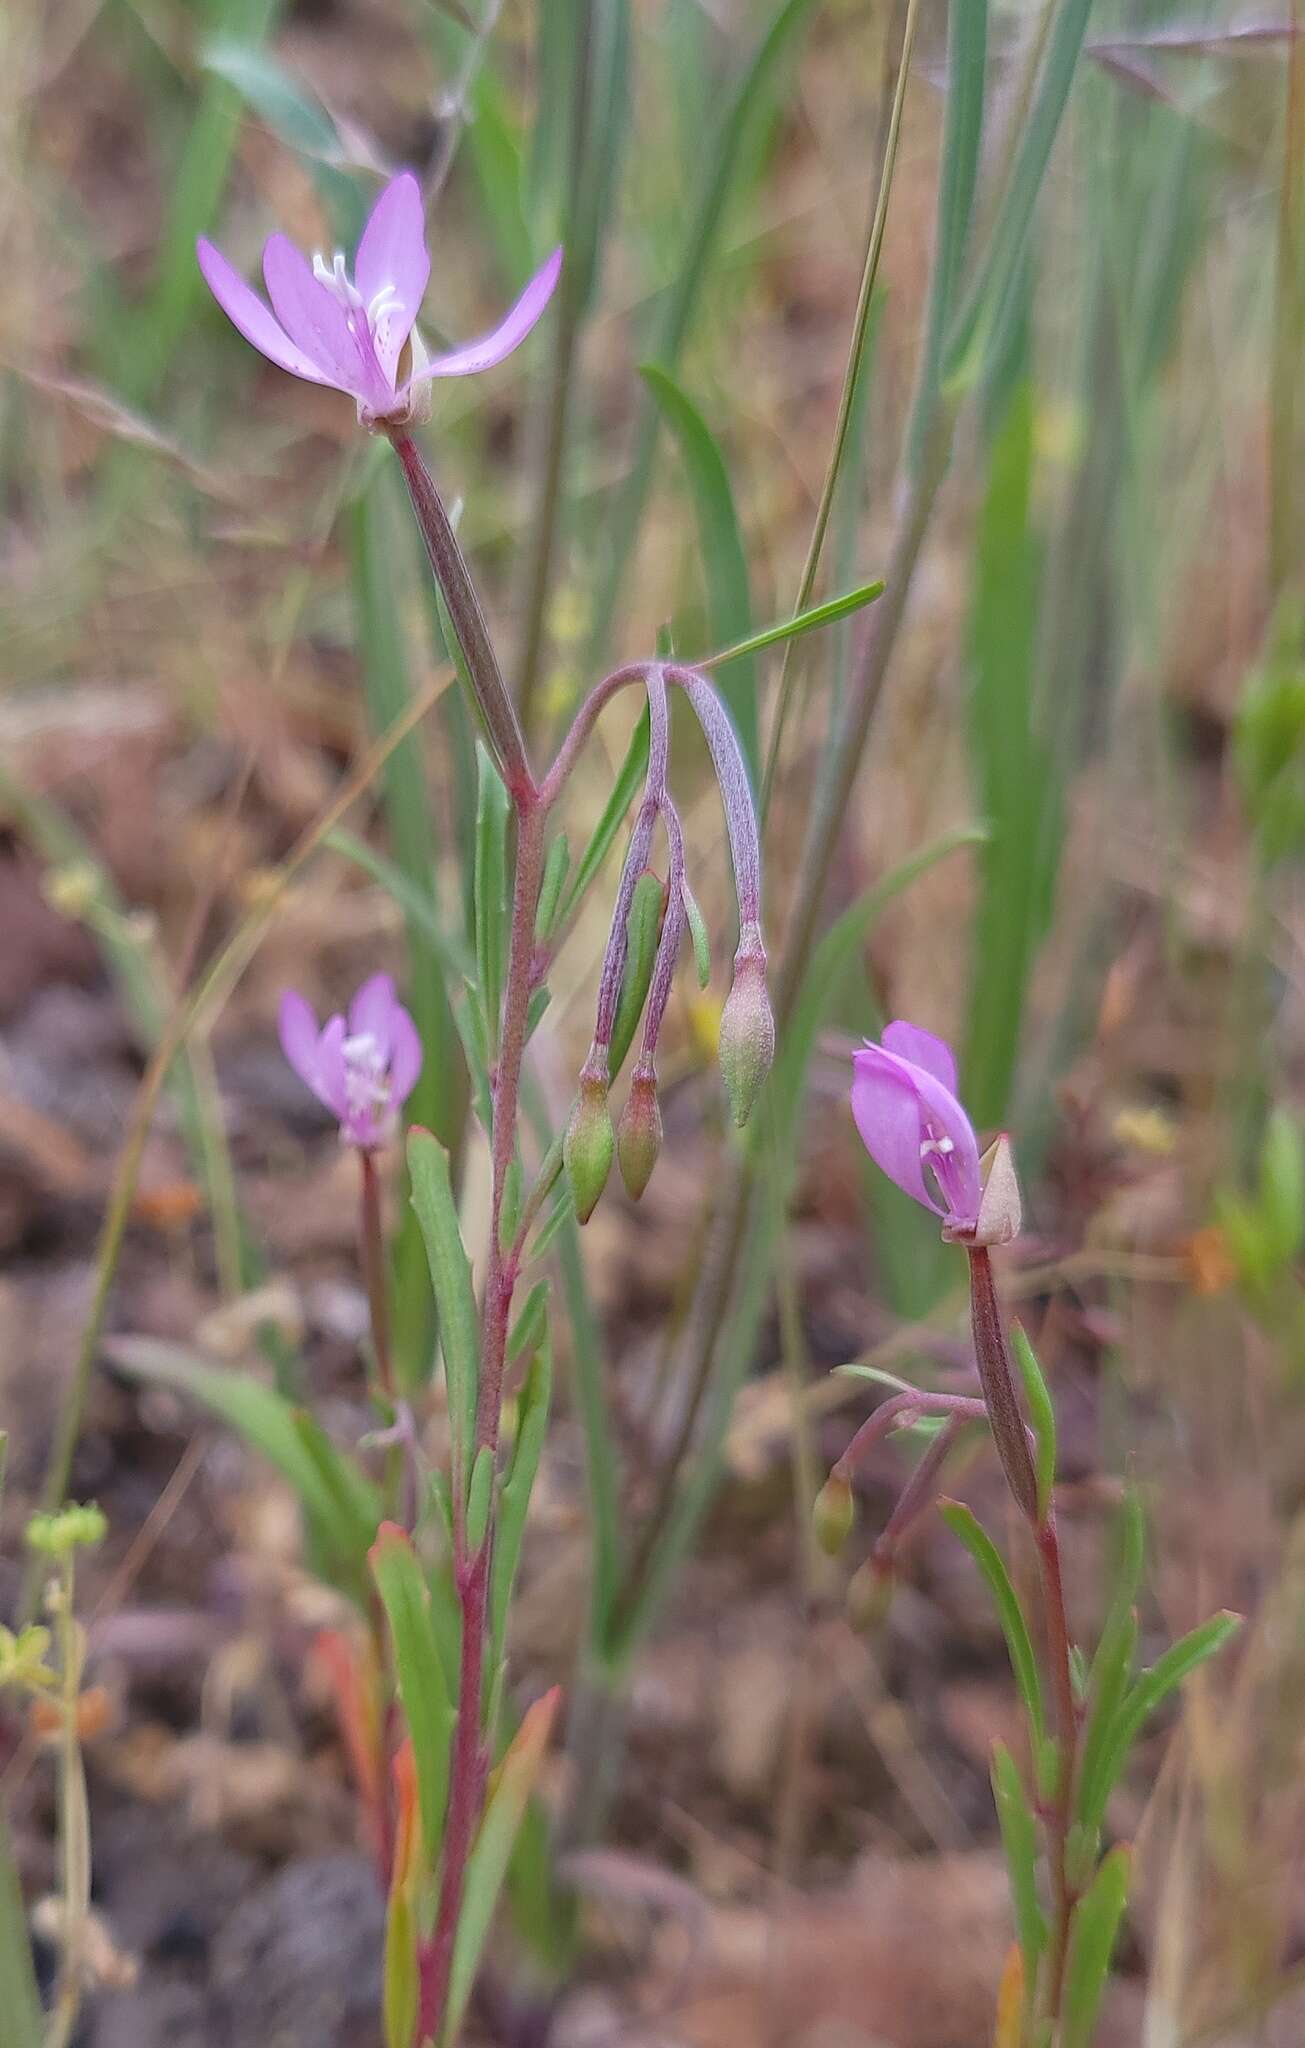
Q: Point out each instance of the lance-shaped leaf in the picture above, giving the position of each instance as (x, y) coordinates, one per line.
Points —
(402, 1988)
(450, 1273)
(986, 1555)
(1041, 1414)
(550, 889)
(1151, 1690)
(490, 895)
(423, 1693)
(513, 1783)
(1092, 1943)
(514, 1494)
(643, 928)
(1019, 1840)
(341, 1506)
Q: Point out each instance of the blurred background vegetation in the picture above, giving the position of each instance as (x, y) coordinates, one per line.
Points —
(1074, 847)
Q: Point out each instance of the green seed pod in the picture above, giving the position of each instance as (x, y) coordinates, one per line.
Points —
(870, 1595)
(832, 1514)
(639, 1133)
(747, 1027)
(589, 1144)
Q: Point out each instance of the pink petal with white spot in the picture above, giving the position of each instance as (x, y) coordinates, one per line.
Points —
(297, 1030)
(371, 1012)
(405, 1057)
(922, 1049)
(886, 1106)
(320, 324)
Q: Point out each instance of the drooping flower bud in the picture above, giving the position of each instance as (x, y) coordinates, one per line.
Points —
(870, 1594)
(832, 1514)
(589, 1143)
(747, 1027)
(639, 1133)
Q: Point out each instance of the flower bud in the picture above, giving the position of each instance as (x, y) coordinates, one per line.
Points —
(589, 1143)
(870, 1595)
(639, 1133)
(832, 1514)
(747, 1027)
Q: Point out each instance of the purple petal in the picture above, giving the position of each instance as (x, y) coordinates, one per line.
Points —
(297, 1029)
(392, 254)
(957, 1171)
(886, 1105)
(332, 1083)
(372, 1011)
(405, 1056)
(246, 312)
(922, 1049)
(509, 334)
(320, 324)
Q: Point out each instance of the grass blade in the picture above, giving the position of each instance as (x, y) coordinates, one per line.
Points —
(724, 558)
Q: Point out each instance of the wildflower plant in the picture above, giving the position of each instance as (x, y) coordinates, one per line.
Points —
(1082, 1713)
(430, 1555)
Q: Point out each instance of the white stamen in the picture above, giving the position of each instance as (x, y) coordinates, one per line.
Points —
(367, 1080)
(942, 1146)
(336, 278)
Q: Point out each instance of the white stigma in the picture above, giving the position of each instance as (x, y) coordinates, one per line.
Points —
(337, 279)
(366, 1074)
(939, 1146)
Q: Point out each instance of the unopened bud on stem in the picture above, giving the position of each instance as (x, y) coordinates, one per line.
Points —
(589, 1142)
(832, 1514)
(870, 1594)
(747, 1027)
(639, 1133)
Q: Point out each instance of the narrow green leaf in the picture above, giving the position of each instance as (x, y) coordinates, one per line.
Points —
(1150, 1691)
(698, 933)
(296, 117)
(825, 614)
(1041, 1414)
(487, 1865)
(986, 1555)
(1019, 1839)
(550, 889)
(528, 1328)
(1092, 1943)
(724, 557)
(19, 1998)
(977, 329)
(490, 898)
(724, 158)
(1108, 1681)
(643, 928)
(967, 63)
(318, 1473)
(480, 1497)
(428, 1709)
(624, 790)
(455, 1300)
(514, 1495)
(401, 1985)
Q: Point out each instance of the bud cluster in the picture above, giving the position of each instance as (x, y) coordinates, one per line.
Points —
(631, 986)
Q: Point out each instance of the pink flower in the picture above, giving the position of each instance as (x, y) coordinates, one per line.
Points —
(363, 1070)
(350, 332)
(912, 1125)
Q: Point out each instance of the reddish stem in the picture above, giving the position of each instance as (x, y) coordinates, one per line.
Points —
(1058, 1651)
(372, 1236)
(469, 1762)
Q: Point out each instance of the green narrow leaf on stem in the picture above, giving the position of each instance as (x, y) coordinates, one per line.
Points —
(1041, 1414)
(319, 1474)
(514, 1494)
(455, 1300)
(490, 898)
(19, 1997)
(698, 933)
(624, 790)
(1091, 1945)
(1150, 1691)
(965, 1524)
(724, 557)
(428, 1710)
(643, 929)
(513, 1783)
(556, 866)
(296, 117)
(1019, 1840)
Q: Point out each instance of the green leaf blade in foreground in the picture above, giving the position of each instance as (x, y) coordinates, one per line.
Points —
(1092, 1943)
(724, 558)
(1151, 1690)
(455, 1300)
(826, 614)
(487, 1865)
(1019, 1840)
(514, 1497)
(427, 1707)
(965, 1524)
(19, 1997)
